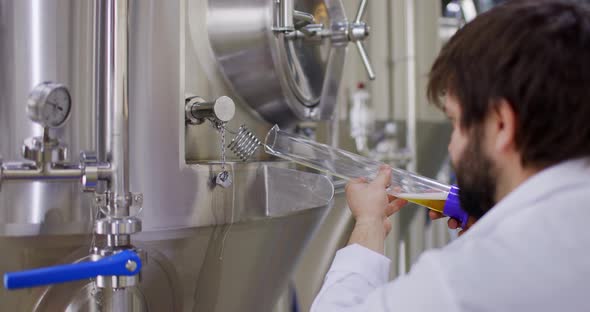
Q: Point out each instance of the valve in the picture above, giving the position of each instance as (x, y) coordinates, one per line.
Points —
(357, 32)
(302, 26)
(124, 263)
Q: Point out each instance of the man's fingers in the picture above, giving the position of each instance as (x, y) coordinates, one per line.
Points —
(387, 224)
(435, 214)
(395, 206)
(357, 181)
(453, 223)
(352, 182)
(390, 198)
(384, 177)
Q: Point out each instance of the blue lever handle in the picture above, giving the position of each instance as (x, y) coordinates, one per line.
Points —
(112, 265)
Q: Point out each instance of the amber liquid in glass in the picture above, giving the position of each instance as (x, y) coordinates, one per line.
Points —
(434, 201)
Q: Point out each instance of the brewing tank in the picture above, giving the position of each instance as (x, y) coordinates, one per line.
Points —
(205, 247)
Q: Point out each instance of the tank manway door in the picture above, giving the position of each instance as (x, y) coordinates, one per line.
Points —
(284, 58)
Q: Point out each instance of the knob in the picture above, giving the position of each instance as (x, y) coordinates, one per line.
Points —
(124, 263)
(197, 109)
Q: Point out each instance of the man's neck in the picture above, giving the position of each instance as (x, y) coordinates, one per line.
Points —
(512, 177)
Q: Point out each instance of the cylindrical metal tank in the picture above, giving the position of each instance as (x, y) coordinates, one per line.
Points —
(208, 248)
(45, 41)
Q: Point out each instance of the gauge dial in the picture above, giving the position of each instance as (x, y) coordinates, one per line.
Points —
(49, 104)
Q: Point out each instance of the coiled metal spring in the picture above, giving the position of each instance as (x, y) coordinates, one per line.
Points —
(245, 144)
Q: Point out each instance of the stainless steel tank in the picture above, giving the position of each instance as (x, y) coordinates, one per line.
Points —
(208, 248)
(45, 41)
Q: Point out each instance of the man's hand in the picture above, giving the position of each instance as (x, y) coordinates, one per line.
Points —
(452, 223)
(371, 205)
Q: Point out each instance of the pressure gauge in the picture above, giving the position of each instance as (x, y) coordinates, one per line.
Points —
(49, 104)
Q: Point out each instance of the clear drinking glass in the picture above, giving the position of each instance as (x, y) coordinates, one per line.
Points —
(346, 165)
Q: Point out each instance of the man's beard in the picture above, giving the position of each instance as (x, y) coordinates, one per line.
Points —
(476, 178)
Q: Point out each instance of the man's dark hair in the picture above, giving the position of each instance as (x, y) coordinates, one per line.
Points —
(536, 55)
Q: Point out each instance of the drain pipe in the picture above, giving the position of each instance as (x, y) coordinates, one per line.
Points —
(112, 95)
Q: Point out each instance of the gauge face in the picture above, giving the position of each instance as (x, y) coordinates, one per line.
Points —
(49, 104)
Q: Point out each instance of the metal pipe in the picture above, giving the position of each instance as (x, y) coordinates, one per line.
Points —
(411, 143)
(49, 173)
(112, 44)
(390, 59)
(118, 240)
(286, 9)
(40, 174)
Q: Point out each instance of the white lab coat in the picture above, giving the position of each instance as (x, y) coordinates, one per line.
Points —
(531, 252)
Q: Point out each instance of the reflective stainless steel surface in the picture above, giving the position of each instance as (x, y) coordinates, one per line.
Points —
(282, 79)
(112, 68)
(255, 239)
(45, 41)
(207, 245)
(197, 109)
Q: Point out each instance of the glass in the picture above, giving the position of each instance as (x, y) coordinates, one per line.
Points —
(346, 165)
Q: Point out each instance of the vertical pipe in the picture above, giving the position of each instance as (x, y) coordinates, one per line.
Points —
(390, 60)
(113, 106)
(100, 94)
(411, 84)
(405, 238)
(286, 14)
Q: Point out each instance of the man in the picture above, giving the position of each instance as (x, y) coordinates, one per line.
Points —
(515, 83)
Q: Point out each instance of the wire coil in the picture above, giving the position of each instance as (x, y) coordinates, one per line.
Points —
(245, 144)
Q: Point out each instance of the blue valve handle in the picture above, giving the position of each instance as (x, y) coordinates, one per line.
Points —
(112, 265)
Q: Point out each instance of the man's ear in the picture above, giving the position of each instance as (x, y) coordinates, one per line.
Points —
(502, 126)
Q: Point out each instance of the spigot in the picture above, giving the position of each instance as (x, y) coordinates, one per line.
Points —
(124, 263)
(197, 110)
